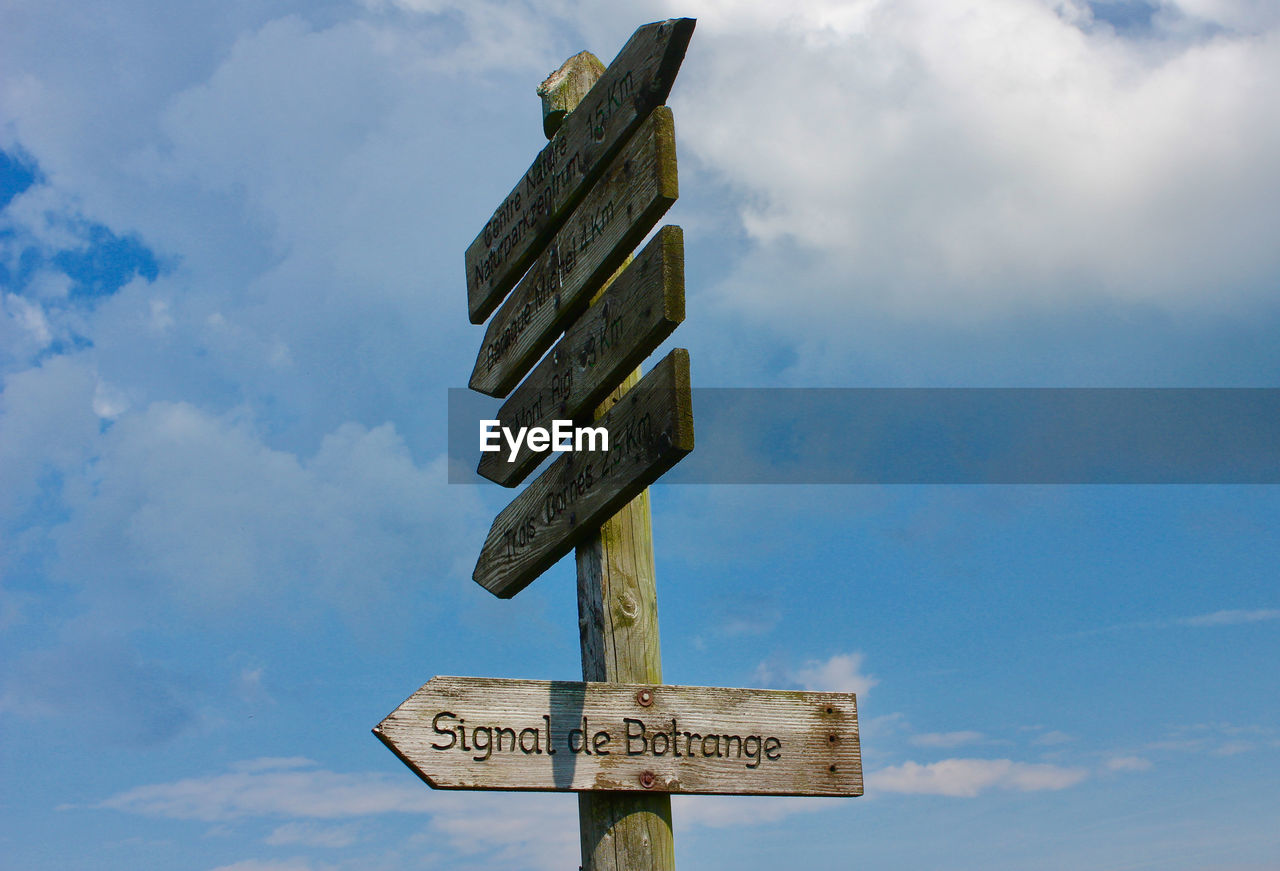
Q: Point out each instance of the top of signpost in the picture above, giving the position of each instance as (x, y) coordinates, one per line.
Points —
(637, 81)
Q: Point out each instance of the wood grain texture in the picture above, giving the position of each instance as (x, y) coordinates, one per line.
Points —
(650, 430)
(618, 624)
(563, 90)
(624, 204)
(637, 312)
(637, 80)
(704, 740)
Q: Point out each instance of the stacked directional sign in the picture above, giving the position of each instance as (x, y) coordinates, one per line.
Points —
(562, 338)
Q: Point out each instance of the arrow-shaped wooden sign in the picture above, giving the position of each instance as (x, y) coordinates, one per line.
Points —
(638, 80)
(490, 733)
(623, 205)
(650, 429)
(638, 311)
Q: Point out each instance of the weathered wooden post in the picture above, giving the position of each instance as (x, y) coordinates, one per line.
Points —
(617, 601)
(553, 267)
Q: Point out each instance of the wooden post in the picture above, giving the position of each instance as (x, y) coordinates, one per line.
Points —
(617, 605)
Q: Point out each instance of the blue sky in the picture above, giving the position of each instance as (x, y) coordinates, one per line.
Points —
(233, 301)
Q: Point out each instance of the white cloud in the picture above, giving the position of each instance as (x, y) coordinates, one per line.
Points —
(104, 687)
(202, 513)
(29, 318)
(970, 777)
(972, 157)
(274, 763)
(1128, 763)
(313, 836)
(49, 425)
(1231, 618)
(539, 831)
(269, 865)
(1054, 737)
(946, 739)
(728, 811)
(271, 792)
(841, 673)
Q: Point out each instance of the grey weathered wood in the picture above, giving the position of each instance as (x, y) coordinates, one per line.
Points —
(638, 311)
(624, 204)
(618, 624)
(787, 743)
(637, 80)
(563, 90)
(650, 430)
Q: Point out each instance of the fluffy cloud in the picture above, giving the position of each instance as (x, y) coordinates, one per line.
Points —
(269, 865)
(727, 811)
(968, 158)
(967, 778)
(272, 790)
(199, 511)
(1128, 763)
(946, 739)
(539, 831)
(1053, 738)
(1231, 618)
(102, 686)
(841, 673)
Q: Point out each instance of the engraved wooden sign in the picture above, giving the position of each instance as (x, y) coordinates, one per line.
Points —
(624, 204)
(650, 429)
(489, 733)
(638, 311)
(639, 79)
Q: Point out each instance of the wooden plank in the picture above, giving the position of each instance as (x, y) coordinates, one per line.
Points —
(563, 90)
(618, 625)
(650, 430)
(638, 311)
(491, 733)
(639, 79)
(626, 202)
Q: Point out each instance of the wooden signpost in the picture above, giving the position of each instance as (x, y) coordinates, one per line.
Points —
(621, 739)
(638, 80)
(638, 311)
(625, 203)
(487, 733)
(650, 429)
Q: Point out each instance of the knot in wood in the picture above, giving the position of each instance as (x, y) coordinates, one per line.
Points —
(627, 609)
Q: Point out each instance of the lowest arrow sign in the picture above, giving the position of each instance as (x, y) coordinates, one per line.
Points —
(488, 733)
(650, 430)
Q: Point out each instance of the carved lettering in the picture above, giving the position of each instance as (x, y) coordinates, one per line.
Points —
(619, 91)
(637, 739)
(552, 273)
